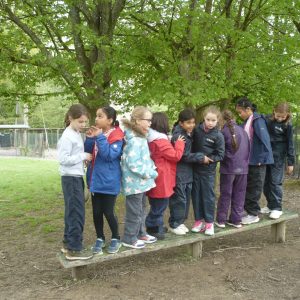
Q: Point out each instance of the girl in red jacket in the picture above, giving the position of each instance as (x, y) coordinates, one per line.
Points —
(165, 157)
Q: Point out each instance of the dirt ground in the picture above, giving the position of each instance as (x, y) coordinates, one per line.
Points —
(247, 265)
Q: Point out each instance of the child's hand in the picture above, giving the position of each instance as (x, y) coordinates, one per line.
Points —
(207, 160)
(96, 131)
(181, 138)
(89, 133)
(89, 156)
(289, 170)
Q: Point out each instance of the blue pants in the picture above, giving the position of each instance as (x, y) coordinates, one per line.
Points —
(179, 204)
(203, 196)
(273, 184)
(73, 189)
(155, 216)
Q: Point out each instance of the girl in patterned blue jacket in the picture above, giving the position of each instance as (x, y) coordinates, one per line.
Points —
(138, 175)
(105, 142)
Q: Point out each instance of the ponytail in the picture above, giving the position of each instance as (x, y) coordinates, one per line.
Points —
(228, 118)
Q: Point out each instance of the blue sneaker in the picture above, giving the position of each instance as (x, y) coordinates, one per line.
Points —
(114, 246)
(97, 248)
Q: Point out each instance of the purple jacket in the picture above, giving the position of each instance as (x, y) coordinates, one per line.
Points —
(235, 162)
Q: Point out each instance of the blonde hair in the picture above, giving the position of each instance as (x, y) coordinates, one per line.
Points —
(139, 113)
(214, 110)
(282, 108)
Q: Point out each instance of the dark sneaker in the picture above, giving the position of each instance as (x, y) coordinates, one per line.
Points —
(78, 255)
(97, 248)
(159, 235)
(114, 246)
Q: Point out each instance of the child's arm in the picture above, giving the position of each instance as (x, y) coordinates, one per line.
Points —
(290, 150)
(219, 152)
(89, 144)
(172, 153)
(65, 157)
(108, 152)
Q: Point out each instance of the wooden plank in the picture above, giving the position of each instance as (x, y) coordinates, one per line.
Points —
(175, 241)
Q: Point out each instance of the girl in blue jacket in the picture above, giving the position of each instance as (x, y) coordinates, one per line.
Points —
(260, 156)
(105, 141)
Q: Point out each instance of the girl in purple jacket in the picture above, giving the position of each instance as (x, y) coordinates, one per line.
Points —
(234, 170)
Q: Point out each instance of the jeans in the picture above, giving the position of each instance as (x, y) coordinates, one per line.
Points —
(179, 204)
(73, 190)
(135, 218)
(203, 196)
(255, 183)
(155, 216)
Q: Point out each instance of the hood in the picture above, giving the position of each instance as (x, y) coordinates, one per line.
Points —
(116, 135)
(155, 135)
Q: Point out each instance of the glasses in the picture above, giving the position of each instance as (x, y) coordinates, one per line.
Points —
(148, 120)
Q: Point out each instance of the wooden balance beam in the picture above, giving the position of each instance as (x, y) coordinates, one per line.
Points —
(195, 240)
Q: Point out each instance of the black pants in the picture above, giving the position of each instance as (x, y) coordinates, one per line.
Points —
(104, 204)
(73, 189)
(255, 184)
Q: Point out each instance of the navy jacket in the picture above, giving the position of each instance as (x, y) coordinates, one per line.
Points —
(261, 150)
(211, 144)
(281, 136)
(235, 162)
(184, 170)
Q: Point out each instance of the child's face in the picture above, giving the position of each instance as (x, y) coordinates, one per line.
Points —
(79, 124)
(101, 120)
(210, 120)
(145, 122)
(244, 113)
(280, 117)
(188, 125)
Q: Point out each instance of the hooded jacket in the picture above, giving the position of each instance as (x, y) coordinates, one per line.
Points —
(165, 157)
(138, 169)
(104, 171)
(261, 150)
(184, 172)
(211, 144)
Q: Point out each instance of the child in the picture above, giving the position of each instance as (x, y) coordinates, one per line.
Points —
(71, 156)
(281, 134)
(165, 157)
(180, 200)
(138, 174)
(233, 173)
(260, 156)
(208, 140)
(105, 142)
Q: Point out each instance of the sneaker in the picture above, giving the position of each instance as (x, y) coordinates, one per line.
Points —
(63, 250)
(97, 248)
(184, 228)
(178, 230)
(159, 235)
(138, 244)
(265, 210)
(78, 255)
(198, 226)
(148, 239)
(114, 246)
(239, 225)
(249, 219)
(275, 214)
(209, 229)
(220, 225)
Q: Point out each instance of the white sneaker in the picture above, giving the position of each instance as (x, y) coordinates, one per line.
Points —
(275, 214)
(265, 210)
(178, 230)
(209, 229)
(184, 228)
(249, 219)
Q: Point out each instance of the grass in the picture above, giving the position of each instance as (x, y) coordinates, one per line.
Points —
(31, 193)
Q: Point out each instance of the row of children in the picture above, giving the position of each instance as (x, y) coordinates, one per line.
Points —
(144, 162)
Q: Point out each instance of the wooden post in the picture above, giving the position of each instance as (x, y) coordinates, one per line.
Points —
(79, 273)
(197, 249)
(278, 232)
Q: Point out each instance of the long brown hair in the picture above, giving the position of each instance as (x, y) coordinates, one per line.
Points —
(75, 112)
(228, 120)
(282, 108)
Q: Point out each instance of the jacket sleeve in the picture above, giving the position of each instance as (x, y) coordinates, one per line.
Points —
(219, 152)
(260, 128)
(290, 146)
(135, 159)
(64, 154)
(172, 153)
(89, 144)
(108, 152)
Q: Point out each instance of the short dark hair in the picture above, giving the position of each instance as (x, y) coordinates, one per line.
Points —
(160, 122)
(75, 112)
(244, 102)
(186, 114)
